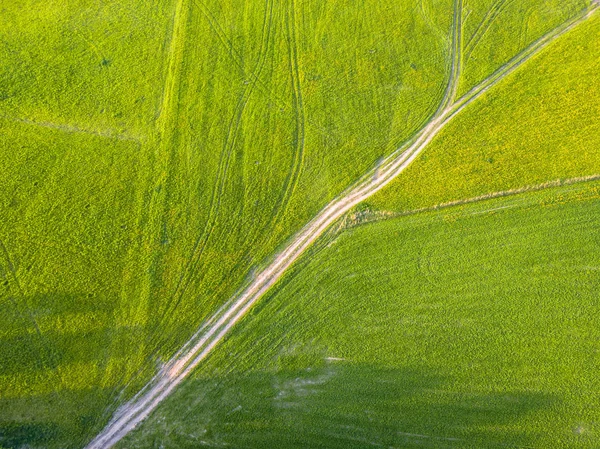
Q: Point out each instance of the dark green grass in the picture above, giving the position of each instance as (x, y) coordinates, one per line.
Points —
(472, 327)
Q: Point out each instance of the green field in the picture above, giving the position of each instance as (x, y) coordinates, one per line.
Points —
(67, 220)
(258, 144)
(538, 125)
(471, 327)
(154, 155)
(495, 30)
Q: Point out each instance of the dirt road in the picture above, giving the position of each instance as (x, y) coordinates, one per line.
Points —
(213, 331)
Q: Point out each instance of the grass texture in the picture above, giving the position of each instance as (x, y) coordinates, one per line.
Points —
(471, 327)
(154, 154)
(538, 125)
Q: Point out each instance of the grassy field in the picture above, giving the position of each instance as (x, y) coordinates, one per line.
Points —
(539, 125)
(154, 154)
(80, 85)
(80, 64)
(288, 133)
(66, 202)
(495, 30)
(471, 327)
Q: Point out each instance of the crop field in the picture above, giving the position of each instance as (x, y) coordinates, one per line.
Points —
(258, 147)
(158, 159)
(470, 327)
(538, 126)
(494, 31)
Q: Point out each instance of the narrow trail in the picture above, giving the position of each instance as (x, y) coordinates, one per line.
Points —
(214, 330)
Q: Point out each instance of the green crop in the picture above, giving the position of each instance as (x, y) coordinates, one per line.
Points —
(471, 327)
(153, 156)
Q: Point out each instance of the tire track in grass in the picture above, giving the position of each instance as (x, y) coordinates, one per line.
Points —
(427, 18)
(456, 56)
(525, 30)
(440, 92)
(221, 35)
(238, 60)
(484, 26)
(299, 138)
(266, 36)
(456, 61)
(515, 62)
(216, 328)
(194, 262)
(298, 105)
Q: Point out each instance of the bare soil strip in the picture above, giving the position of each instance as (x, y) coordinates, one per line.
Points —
(73, 129)
(215, 329)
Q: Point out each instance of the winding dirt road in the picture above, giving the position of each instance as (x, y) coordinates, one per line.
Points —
(215, 329)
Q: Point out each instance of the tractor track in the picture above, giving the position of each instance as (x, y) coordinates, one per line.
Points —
(216, 328)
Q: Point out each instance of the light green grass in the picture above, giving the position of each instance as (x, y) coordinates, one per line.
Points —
(95, 65)
(472, 327)
(539, 125)
(66, 204)
(154, 154)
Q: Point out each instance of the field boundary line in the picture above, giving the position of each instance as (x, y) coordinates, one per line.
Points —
(503, 193)
(74, 129)
(376, 215)
(218, 326)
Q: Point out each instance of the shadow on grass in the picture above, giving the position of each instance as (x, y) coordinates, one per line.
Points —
(25, 435)
(338, 405)
(44, 331)
(49, 396)
(62, 419)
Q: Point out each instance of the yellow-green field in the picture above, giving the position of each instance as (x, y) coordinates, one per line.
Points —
(154, 156)
(539, 125)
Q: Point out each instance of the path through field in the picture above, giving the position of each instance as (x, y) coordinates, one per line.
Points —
(215, 329)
